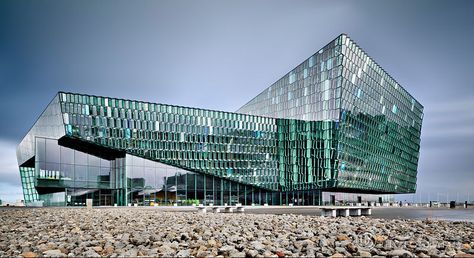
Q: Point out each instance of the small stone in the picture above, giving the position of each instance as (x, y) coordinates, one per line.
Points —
(258, 246)
(227, 249)
(98, 249)
(326, 251)
(166, 250)
(419, 250)
(433, 251)
(364, 254)
(466, 247)
(63, 250)
(308, 243)
(211, 242)
(342, 238)
(379, 239)
(237, 255)
(184, 253)
(131, 253)
(109, 249)
(403, 238)
(400, 252)
(202, 253)
(388, 245)
(323, 242)
(53, 253)
(252, 253)
(52, 245)
(29, 255)
(91, 253)
(451, 253)
(298, 245)
(337, 255)
(351, 248)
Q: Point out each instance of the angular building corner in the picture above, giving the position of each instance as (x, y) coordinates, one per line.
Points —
(373, 122)
(335, 123)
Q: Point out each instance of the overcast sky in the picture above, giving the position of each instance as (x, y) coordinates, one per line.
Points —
(220, 54)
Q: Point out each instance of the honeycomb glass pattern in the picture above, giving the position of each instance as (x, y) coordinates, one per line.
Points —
(380, 127)
(377, 123)
(27, 175)
(306, 151)
(310, 92)
(229, 145)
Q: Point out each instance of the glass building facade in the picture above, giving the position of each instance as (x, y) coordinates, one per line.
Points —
(337, 122)
(374, 123)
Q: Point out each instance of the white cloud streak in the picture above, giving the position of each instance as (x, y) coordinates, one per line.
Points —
(449, 119)
(10, 182)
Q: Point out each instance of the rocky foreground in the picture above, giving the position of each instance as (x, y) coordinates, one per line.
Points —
(54, 232)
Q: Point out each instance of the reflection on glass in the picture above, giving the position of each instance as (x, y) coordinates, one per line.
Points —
(67, 155)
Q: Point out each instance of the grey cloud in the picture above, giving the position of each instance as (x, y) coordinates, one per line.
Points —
(9, 172)
(449, 122)
(10, 183)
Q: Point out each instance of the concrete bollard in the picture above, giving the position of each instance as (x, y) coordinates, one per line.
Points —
(343, 212)
(355, 212)
(366, 212)
(89, 204)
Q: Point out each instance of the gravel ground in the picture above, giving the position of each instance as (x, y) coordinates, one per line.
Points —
(61, 232)
(459, 214)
